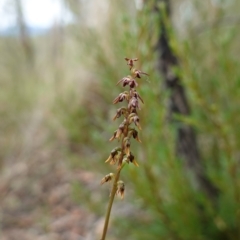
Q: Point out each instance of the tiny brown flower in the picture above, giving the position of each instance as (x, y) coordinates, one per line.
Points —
(113, 137)
(138, 73)
(136, 120)
(130, 61)
(120, 189)
(135, 135)
(120, 129)
(125, 79)
(107, 178)
(127, 145)
(128, 81)
(113, 157)
(132, 159)
(136, 95)
(119, 113)
(133, 103)
(121, 97)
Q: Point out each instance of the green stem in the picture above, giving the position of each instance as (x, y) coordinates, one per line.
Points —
(113, 193)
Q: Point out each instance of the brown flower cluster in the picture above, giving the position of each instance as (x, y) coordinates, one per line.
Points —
(129, 127)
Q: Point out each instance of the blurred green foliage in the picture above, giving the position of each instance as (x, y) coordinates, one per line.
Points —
(210, 71)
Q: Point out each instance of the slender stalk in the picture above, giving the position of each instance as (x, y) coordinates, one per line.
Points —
(112, 196)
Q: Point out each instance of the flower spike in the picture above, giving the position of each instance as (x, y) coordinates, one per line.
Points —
(122, 156)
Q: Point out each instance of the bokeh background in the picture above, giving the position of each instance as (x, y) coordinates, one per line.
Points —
(59, 63)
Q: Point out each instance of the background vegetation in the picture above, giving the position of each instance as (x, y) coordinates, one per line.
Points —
(56, 110)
